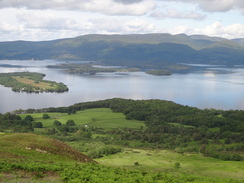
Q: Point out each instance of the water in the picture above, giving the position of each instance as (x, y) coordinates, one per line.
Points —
(199, 89)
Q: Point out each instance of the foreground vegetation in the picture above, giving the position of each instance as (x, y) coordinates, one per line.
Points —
(166, 161)
(30, 82)
(145, 136)
(37, 158)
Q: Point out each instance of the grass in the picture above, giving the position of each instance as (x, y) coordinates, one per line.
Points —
(26, 80)
(100, 117)
(164, 161)
(36, 147)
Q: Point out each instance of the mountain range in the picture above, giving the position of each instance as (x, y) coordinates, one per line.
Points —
(135, 50)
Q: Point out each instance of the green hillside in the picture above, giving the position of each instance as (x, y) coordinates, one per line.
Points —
(33, 158)
(137, 50)
(131, 141)
(26, 146)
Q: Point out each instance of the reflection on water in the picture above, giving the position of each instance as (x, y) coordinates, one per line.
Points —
(203, 89)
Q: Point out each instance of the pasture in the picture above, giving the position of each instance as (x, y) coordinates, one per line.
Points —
(165, 161)
(99, 117)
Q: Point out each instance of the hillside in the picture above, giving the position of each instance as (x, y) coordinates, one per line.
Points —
(35, 147)
(136, 50)
(133, 140)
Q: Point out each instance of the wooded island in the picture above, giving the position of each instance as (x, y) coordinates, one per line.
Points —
(30, 82)
(89, 68)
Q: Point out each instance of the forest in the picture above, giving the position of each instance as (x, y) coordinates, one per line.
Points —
(30, 82)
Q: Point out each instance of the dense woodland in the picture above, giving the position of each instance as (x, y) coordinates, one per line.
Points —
(214, 133)
(30, 82)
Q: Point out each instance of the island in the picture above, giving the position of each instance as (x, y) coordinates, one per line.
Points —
(89, 68)
(30, 82)
(159, 72)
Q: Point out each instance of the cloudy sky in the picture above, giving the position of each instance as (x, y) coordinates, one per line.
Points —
(36, 20)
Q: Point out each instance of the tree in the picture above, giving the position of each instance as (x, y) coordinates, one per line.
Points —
(37, 125)
(57, 123)
(45, 116)
(29, 118)
(70, 122)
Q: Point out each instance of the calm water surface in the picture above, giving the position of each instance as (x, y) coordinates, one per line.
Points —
(200, 89)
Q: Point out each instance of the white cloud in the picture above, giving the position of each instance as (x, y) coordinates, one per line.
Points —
(36, 25)
(6, 28)
(217, 29)
(215, 5)
(214, 29)
(173, 13)
(119, 26)
(110, 7)
(53, 19)
(41, 20)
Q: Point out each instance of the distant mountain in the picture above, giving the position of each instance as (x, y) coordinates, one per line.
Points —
(134, 50)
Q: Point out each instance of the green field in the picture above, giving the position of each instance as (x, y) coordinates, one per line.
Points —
(31, 82)
(164, 161)
(100, 117)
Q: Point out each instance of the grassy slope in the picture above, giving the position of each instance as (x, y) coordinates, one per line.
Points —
(149, 160)
(19, 151)
(101, 117)
(164, 161)
(206, 169)
(35, 147)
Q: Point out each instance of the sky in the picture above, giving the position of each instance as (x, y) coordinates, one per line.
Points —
(39, 20)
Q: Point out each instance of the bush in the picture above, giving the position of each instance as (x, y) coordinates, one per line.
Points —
(37, 125)
(45, 116)
(29, 118)
(57, 123)
(177, 165)
(70, 122)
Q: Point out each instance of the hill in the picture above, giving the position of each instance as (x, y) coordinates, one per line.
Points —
(35, 147)
(136, 50)
(23, 162)
(135, 141)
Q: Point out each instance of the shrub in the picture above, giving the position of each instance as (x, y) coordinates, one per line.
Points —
(45, 116)
(37, 125)
(29, 118)
(177, 165)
